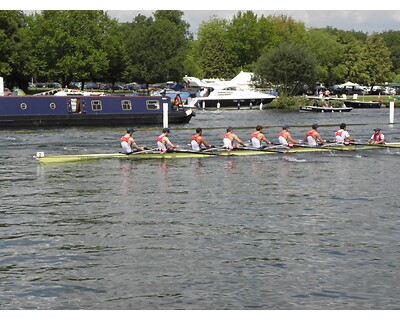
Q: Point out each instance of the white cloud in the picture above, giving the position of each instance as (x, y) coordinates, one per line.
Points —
(359, 16)
(364, 20)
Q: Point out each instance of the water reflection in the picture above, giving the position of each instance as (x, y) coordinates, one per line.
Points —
(230, 165)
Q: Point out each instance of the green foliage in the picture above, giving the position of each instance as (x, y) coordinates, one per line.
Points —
(83, 45)
(13, 54)
(329, 55)
(378, 65)
(71, 45)
(396, 78)
(243, 40)
(156, 48)
(288, 65)
(212, 49)
(287, 102)
(392, 41)
(285, 29)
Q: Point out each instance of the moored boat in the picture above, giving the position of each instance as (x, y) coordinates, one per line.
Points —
(325, 109)
(363, 104)
(238, 93)
(87, 111)
(322, 104)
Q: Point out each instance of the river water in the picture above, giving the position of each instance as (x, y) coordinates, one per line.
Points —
(301, 231)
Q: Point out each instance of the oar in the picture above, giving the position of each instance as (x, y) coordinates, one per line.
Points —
(215, 149)
(191, 151)
(378, 145)
(329, 146)
(277, 148)
(303, 145)
(155, 150)
(211, 149)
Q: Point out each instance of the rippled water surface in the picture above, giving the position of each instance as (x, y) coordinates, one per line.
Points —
(299, 231)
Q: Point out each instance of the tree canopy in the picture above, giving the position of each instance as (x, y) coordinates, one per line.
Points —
(156, 48)
(82, 45)
(290, 65)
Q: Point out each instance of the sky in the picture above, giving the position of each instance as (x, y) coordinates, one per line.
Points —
(362, 16)
(366, 20)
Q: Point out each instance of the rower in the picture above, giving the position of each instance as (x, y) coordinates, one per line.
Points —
(163, 143)
(377, 138)
(284, 136)
(229, 138)
(258, 136)
(312, 136)
(197, 141)
(342, 135)
(128, 144)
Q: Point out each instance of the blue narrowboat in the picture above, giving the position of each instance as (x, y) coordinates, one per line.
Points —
(75, 110)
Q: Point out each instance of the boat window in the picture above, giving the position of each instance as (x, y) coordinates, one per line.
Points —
(152, 104)
(23, 106)
(96, 105)
(126, 104)
(52, 106)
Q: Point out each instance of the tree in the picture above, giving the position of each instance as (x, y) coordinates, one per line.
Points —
(243, 41)
(377, 60)
(286, 30)
(329, 54)
(212, 49)
(116, 52)
(72, 45)
(14, 54)
(392, 41)
(288, 65)
(135, 34)
(157, 47)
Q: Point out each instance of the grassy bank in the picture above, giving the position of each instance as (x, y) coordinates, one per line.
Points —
(293, 103)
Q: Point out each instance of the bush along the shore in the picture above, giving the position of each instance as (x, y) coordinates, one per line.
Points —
(287, 102)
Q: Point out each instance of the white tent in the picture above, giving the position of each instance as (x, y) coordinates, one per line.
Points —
(350, 84)
(1, 86)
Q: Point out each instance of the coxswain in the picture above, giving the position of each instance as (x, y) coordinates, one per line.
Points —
(342, 135)
(128, 144)
(284, 136)
(312, 136)
(163, 143)
(229, 138)
(258, 136)
(377, 137)
(197, 141)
